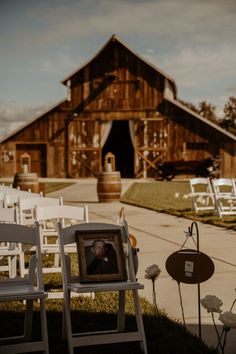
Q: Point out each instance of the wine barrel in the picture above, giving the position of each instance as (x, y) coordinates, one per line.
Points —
(109, 186)
(26, 181)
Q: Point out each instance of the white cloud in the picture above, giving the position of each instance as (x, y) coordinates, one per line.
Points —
(192, 41)
(14, 116)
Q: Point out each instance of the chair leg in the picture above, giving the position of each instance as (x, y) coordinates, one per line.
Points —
(121, 312)
(67, 322)
(139, 320)
(64, 324)
(44, 328)
(28, 320)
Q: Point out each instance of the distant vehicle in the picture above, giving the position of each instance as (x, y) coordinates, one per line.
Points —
(201, 168)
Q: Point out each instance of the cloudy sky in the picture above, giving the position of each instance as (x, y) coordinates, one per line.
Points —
(42, 41)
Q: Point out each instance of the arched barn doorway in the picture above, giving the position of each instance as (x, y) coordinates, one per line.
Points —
(119, 143)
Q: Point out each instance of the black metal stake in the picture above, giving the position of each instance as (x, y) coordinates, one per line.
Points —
(198, 284)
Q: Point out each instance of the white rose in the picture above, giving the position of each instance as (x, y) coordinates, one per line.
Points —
(152, 272)
(228, 319)
(212, 303)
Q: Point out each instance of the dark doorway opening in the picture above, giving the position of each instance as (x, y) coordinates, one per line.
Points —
(38, 158)
(119, 143)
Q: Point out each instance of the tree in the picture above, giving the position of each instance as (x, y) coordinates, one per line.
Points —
(207, 110)
(189, 105)
(229, 120)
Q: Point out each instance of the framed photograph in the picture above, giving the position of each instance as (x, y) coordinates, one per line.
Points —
(100, 255)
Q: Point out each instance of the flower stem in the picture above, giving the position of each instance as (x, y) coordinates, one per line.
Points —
(231, 308)
(154, 298)
(224, 343)
(217, 332)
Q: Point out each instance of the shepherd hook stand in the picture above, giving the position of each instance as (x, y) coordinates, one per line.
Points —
(189, 233)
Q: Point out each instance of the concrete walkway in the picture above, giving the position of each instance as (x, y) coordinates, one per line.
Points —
(158, 236)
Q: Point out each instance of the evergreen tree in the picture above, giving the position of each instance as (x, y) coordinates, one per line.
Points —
(229, 120)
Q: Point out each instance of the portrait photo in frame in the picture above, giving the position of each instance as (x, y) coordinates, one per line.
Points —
(100, 255)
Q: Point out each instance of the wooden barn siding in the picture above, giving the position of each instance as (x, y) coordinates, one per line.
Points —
(48, 129)
(7, 168)
(228, 163)
(138, 85)
(208, 142)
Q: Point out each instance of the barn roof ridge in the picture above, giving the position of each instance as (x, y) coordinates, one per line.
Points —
(114, 37)
(198, 116)
(38, 116)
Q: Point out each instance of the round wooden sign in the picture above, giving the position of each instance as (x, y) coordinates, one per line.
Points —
(189, 266)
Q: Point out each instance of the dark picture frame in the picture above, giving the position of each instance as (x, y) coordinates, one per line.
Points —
(110, 266)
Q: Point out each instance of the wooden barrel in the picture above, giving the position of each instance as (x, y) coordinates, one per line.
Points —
(109, 187)
(26, 181)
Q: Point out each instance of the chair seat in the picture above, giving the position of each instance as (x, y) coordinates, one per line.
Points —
(111, 286)
(18, 291)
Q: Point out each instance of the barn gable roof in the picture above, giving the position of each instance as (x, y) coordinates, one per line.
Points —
(171, 104)
(113, 39)
(40, 116)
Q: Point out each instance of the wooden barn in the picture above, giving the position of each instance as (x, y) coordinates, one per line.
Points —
(117, 102)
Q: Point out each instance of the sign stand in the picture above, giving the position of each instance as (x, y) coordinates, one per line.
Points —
(191, 266)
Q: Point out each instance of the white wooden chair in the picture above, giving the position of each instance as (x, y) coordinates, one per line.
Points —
(225, 196)
(27, 207)
(11, 198)
(9, 251)
(201, 194)
(66, 214)
(26, 289)
(72, 284)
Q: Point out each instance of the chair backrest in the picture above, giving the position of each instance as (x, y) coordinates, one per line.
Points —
(7, 215)
(21, 234)
(61, 212)
(67, 236)
(224, 186)
(27, 207)
(6, 188)
(200, 184)
(12, 197)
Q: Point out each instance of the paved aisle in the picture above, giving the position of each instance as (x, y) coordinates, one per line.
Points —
(158, 236)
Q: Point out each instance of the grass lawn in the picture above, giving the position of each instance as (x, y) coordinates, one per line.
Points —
(53, 186)
(163, 335)
(170, 198)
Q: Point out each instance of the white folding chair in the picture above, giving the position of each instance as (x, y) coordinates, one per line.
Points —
(225, 196)
(73, 284)
(9, 251)
(27, 208)
(67, 214)
(201, 194)
(11, 199)
(26, 289)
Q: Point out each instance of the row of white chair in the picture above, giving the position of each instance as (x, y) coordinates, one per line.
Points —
(28, 208)
(9, 198)
(215, 195)
(30, 287)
